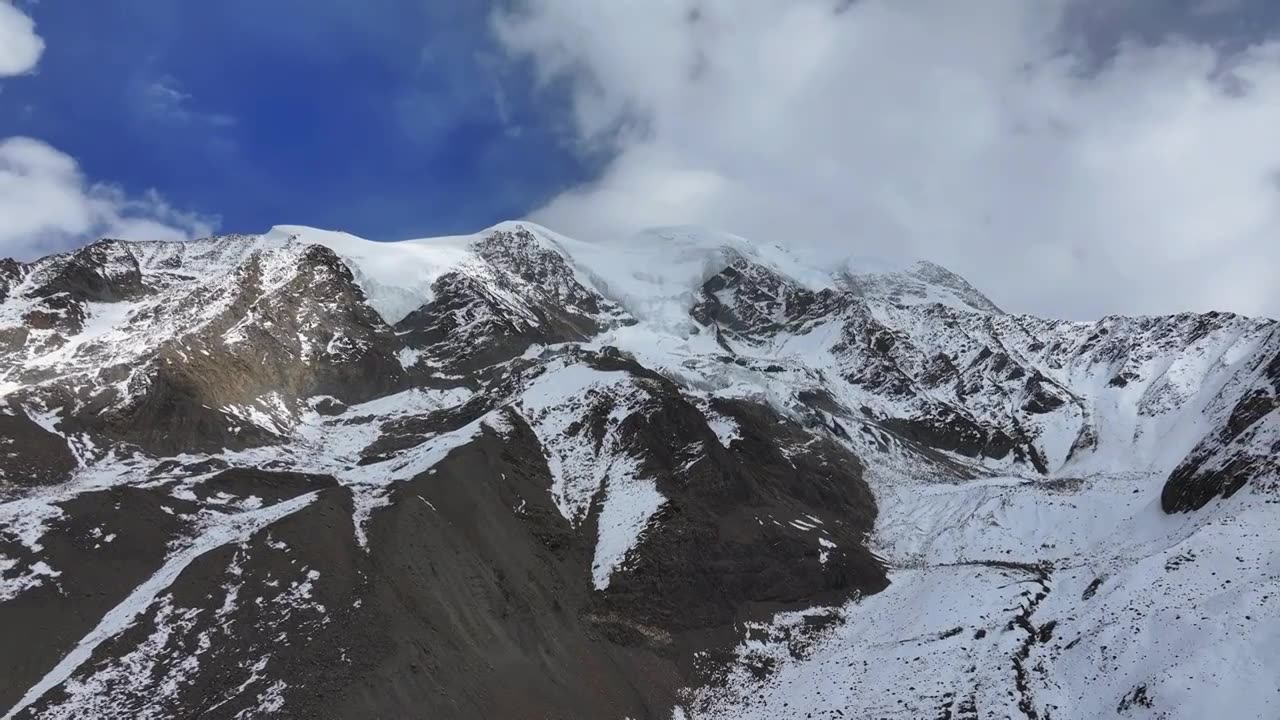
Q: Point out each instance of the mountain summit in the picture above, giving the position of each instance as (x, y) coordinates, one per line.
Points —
(515, 474)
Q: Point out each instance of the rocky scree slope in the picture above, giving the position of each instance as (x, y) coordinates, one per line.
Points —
(301, 474)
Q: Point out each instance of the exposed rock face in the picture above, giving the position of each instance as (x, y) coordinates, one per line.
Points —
(234, 483)
(174, 362)
(1246, 450)
(516, 293)
(31, 454)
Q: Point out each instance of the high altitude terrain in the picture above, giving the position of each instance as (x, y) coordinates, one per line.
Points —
(301, 474)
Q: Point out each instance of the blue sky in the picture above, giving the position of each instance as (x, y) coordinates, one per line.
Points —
(391, 119)
(1071, 158)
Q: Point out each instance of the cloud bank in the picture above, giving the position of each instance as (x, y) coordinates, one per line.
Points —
(46, 203)
(985, 136)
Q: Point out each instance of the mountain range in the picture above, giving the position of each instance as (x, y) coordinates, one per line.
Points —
(688, 475)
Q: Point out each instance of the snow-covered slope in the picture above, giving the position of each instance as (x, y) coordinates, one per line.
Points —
(682, 475)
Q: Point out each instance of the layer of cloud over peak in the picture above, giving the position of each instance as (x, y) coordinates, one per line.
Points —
(20, 46)
(46, 203)
(987, 136)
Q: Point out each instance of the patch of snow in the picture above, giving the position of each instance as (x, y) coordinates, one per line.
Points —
(554, 402)
(725, 428)
(408, 357)
(26, 520)
(629, 503)
(14, 584)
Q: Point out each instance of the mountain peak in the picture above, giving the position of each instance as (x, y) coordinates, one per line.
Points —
(918, 282)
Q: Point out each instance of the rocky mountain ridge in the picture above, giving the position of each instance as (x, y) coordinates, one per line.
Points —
(518, 475)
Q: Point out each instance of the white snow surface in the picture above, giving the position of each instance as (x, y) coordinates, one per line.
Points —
(1180, 606)
(629, 503)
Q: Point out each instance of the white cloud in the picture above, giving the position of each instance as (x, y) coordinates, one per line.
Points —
(972, 134)
(20, 46)
(46, 205)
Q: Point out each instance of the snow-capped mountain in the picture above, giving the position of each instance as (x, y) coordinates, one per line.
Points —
(514, 474)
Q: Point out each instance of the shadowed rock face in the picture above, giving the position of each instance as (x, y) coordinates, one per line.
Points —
(716, 562)
(229, 488)
(102, 272)
(461, 606)
(1246, 450)
(104, 544)
(343, 351)
(30, 454)
(10, 275)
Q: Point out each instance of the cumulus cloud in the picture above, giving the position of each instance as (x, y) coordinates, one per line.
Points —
(20, 46)
(46, 204)
(980, 135)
